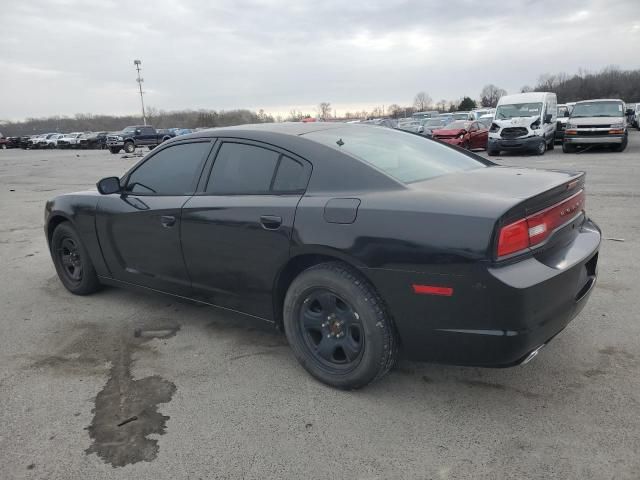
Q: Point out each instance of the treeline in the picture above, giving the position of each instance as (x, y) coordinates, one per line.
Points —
(157, 118)
(611, 82)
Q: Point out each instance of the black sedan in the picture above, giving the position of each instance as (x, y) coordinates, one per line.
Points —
(356, 240)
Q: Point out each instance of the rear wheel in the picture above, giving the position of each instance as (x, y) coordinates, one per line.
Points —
(568, 148)
(72, 262)
(338, 327)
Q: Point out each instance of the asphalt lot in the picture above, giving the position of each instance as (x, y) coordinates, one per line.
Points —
(219, 396)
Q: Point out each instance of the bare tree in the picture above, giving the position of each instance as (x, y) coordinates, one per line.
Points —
(394, 110)
(490, 95)
(526, 89)
(422, 101)
(324, 110)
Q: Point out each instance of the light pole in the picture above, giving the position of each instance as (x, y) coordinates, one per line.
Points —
(137, 63)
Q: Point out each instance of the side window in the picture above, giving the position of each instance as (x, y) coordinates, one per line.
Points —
(242, 169)
(147, 131)
(290, 177)
(171, 171)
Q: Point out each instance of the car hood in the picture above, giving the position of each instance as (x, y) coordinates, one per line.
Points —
(595, 120)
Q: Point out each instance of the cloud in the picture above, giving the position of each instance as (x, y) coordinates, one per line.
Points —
(65, 56)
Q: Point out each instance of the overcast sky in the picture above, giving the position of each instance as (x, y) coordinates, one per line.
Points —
(61, 57)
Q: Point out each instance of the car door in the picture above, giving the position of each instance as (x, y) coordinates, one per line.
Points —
(236, 232)
(139, 230)
(479, 135)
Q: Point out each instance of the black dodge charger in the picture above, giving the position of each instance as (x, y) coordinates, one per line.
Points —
(356, 240)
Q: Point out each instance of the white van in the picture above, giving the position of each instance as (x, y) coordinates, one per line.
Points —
(524, 122)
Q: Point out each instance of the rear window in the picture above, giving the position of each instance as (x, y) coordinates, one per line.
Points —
(403, 156)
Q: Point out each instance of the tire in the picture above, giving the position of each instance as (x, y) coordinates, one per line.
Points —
(622, 146)
(493, 153)
(541, 148)
(318, 304)
(72, 261)
(568, 148)
(114, 150)
(129, 147)
(552, 144)
(466, 146)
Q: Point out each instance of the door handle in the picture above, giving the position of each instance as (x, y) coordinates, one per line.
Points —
(270, 222)
(167, 221)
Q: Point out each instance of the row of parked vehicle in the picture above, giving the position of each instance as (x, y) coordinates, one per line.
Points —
(90, 140)
(530, 122)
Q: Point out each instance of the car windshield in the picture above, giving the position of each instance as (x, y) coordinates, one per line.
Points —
(435, 122)
(406, 157)
(597, 109)
(129, 130)
(515, 110)
(458, 125)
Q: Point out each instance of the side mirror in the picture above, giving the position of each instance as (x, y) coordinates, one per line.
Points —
(109, 185)
(547, 118)
(137, 131)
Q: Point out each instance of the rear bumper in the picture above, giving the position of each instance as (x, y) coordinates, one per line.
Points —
(497, 315)
(515, 144)
(609, 139)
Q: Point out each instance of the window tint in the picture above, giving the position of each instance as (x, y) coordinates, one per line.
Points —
(404, 156)
(172, 171)
(241, 168)
(291, 176)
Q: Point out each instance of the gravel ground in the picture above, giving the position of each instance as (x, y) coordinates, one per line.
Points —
(219, 396)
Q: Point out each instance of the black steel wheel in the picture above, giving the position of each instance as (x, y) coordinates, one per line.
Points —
(332, 330)
(72, 261)
(338, 327)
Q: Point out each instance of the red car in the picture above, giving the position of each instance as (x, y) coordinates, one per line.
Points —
(464, 133)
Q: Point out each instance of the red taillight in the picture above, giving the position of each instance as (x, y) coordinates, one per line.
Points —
(536, 228)
(513, 237)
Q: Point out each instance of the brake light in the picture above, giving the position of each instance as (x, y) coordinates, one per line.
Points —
(535, 229)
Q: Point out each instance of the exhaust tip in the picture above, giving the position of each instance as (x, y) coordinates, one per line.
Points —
(532, 355)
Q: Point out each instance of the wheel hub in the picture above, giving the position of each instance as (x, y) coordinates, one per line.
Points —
(334, 327)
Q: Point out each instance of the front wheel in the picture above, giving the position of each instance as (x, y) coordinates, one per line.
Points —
(568, 148)
(622, 146)
(72, 262)
(129, 147)
(338, 327)
(552, 144)
(114, 150)
(542, 147)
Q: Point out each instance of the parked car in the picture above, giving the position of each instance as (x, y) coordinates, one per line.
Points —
(69, 140)
(355, 240)
(52, 140)
(422, 115)
(463, 133)
(486, 120)
(136, 136)
(14, 142)
(411, 126)
(564, 111)
(481, 112)
(524, 122)
(635, 122)
(94, 140)
(43, 140)
(181, 131)
(4, 141)
(434, 124)
(461, 115)
(596, 122)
